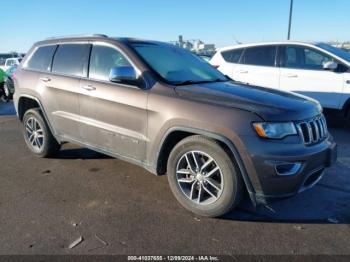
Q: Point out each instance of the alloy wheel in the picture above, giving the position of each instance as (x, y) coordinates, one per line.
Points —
(199, 177)
(7, 91)
(34, 134)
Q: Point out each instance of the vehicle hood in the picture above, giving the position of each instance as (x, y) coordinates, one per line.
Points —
(269, 104)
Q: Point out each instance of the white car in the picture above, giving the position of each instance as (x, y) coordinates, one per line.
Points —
(317, 70)
(7, 63)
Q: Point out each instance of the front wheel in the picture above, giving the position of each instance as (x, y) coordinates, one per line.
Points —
(37, 134)
(203, 177)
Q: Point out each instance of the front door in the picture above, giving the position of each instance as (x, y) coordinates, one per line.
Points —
(302, 72)
(113, 116)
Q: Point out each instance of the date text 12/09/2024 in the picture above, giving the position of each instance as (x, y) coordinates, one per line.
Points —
(174, 258)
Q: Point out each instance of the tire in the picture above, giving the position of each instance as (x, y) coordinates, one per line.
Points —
(221, 177)
(2, 92)
(37, 134)
(7, 93)
(347, 116)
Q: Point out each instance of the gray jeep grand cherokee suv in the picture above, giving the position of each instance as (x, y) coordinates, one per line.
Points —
(165, 109)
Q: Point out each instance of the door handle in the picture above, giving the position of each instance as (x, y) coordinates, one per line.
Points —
(242, 71)
(290, 75)
(45, 79)
(88, 87)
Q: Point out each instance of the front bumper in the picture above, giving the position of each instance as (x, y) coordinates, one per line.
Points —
(265, 155)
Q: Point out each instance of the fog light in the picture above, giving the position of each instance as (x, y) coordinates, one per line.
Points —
(287, 169)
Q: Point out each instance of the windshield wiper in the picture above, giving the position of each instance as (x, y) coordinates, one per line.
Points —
(191, 82)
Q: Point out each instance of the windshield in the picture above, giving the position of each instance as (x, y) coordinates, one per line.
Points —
(177, 65)
(336, 51)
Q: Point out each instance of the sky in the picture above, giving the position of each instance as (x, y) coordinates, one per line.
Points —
(220, 22)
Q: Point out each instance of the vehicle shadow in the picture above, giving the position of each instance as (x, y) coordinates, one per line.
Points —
(336, 119)
(79, 153)
(7, 108)
(323, 204)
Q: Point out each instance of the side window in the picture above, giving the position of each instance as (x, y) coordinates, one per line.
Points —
(42, 58)
(103, 59)
(260, 56)
(71, 59)
(291, 56)
(232, 56)
(304, 58)
(314, 59)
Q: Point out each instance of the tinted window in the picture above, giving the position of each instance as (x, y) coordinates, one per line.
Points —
(304, 58)
(261, 56)
(41, 59)
(103, 59)
(71, 59)
(232, 56)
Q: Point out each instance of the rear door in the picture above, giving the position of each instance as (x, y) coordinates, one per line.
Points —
(258, 67)
(113, 115)
(231, 61)
(302, 72)
(62, 88)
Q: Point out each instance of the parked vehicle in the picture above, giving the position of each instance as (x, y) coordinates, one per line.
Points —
(8, 87)
(2, 79)
(317, 70)
(205, 57)
(160, 107)
(9, 62)
(3, 58)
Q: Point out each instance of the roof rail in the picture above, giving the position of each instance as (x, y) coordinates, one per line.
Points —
(72, 36)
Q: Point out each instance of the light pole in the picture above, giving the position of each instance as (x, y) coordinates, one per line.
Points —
(290, 18)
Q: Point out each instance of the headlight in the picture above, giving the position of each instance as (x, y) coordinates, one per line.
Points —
(275, 130)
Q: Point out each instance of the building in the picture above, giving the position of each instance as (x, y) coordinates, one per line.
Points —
(195, 45)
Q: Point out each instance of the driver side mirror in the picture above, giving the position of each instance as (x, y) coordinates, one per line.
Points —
(330, 65)
(123, 74)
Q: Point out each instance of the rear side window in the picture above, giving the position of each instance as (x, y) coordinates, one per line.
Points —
(232, 56)
(260, 56)
(42, 58)
(103, 59)
(71, 59)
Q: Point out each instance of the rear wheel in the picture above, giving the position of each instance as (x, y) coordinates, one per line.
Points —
(37, 134)
(203, 177)
(2, 92)
(7, 92)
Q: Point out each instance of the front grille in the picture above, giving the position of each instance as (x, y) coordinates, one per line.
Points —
(314, 130)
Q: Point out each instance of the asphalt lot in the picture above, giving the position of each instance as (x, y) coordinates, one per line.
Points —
(118, 208)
